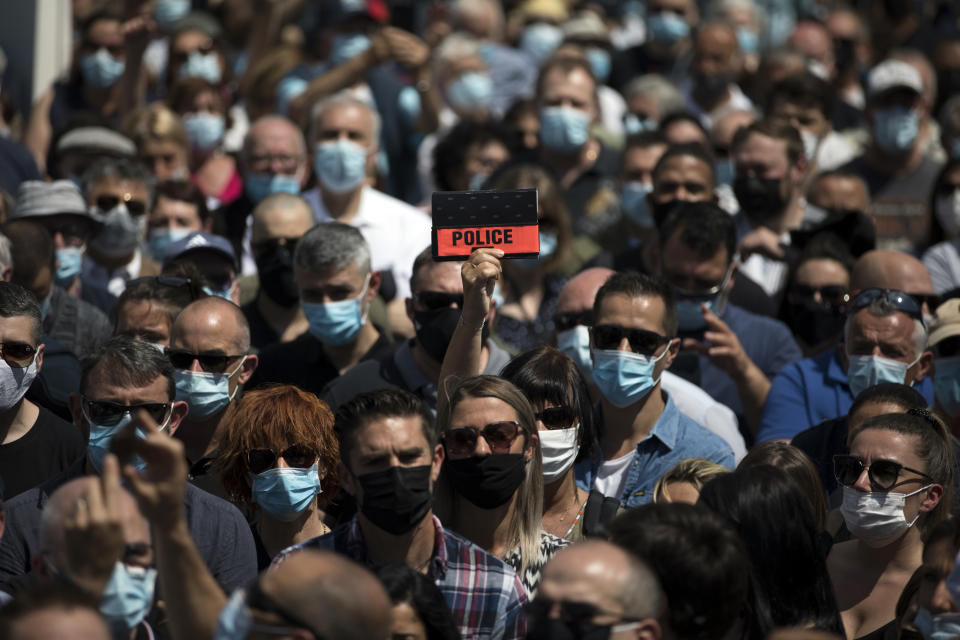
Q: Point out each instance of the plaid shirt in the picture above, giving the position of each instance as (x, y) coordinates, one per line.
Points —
(484, 594)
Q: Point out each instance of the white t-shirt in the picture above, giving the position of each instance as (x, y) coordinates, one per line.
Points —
(395, 231)
(611, 476)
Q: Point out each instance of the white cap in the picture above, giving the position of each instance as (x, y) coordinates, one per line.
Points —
(892, 74)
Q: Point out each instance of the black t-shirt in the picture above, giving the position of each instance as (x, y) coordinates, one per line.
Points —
(50, 446)
(262, 334)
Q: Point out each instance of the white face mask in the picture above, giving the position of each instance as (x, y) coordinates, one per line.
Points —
(876, 517)
(15, 382)
(559, 448)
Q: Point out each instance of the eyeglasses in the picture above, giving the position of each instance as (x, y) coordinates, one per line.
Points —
(286, 164)
(571, 319)
(932, 300)
(109, 414)
(609, 336)
(883, 474)
(499, 437)
(898, 299)
(435, 300)
(135, 207)
(556, 417)
(298, 456)
(17, 354)
(210, 362)
(183, 56)
(831, 294)
(705, 294)
(75, 232)
(574, 613)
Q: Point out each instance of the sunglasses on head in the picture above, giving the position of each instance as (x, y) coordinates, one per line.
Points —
(462, 441)
(609, 336)
(561, 417)
(109, 414)
(212, 363)
(174, 282)
(898, 299)
(298, 456)
(135, 207)
(17, 354)
(571, 319)
(883, 474)
(435, 300)
(831, 294)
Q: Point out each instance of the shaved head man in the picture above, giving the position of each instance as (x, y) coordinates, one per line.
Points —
(888, 269)
(210, 351)
(623, 592)
(716, 65)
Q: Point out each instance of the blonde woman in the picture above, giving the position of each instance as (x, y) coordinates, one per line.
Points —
(683, 482)
(491, 486)
(161, 139)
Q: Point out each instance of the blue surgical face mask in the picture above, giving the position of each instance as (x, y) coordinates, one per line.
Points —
(575, 343)
(348, 45)
(599, 60)
(128, 597)
(337, 323)
(288, 89)
(634, 203)
(286, 493)
(667, 27)
(69, 265)
(476, 181)
(159, 239)
(470, 91)
(564, 129)
(632, 124)
(98, 443)
(202, 65)
(169, 12)
(943, 626)
(895, 129)
(548, 246)
(748, 40)
(100, 69)
(235, 621)
(204, 129)
(260, 185)
(623, 377)
(726, 171)
(867, 371)
(341, 165)
(540, 40)
(946, 384)
(207, 393)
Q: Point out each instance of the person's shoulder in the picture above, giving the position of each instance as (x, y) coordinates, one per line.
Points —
(384, 205)
(283, 350)
(51, 422)
(17, 508)
(208, 504)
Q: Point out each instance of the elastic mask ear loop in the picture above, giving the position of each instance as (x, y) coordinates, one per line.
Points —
(232, 373)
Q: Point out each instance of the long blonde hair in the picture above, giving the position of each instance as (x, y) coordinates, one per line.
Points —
(528, 509)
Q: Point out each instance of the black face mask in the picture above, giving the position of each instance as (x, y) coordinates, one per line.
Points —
(661, 210)
(275, 270)
(487, 481)
(759, 198)
(712, 87)
(435, 329)
(556, 629)
(396, 499)
(815, 323)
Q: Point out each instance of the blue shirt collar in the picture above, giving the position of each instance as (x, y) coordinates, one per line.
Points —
(665, 428)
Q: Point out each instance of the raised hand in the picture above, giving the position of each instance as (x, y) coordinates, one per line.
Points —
(161, 488)
(480, 274)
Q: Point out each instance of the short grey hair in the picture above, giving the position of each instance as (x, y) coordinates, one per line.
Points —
(6, 255)
(332, 247)
(127, 362)
(662, 90)
(118, 169)
(462, 8)
(343, 99)
(453, 48)
(881, 308)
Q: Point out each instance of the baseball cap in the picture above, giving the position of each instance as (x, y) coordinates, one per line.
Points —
(200, 241)
(893, 74)
(946, 322)
(586, 25)
(96, 140)
(38, 198)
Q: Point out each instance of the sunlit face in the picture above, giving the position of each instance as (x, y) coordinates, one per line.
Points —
(479, 412)
(880, 444)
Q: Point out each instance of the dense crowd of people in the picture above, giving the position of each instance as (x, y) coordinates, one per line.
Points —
(241, 398)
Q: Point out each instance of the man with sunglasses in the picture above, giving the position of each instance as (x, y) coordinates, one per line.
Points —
(633, 341)
(884, 340)
(889, 269)
(210, 352)
(595, 588)
(123, 378)
(414, 365)
(390, 460)
(35, 444)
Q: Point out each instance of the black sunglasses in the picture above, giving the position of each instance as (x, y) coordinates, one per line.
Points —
(832, 294)
(571, 319)
(574, 613)
(174, 282)
(556, 417)
(898, 299)
(18, 355)
(274, 244)
(435, 300)
(298, 456)
(609, 336)
(109, 414)
(499, 436)
(135, 207)
(883, 474)
(213, 363)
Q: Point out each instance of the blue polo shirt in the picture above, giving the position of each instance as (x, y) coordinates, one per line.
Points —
(809, 391)
(673, 438)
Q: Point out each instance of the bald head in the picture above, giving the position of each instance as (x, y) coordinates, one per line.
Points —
(280, 215)
(579, 292)
(721, 135)
(273, 127)
(603, 574)
(887, 269)
(336, 597)
(210, 324)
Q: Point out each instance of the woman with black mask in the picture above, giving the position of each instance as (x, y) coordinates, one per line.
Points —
(491, 487)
